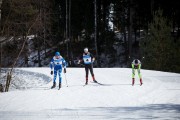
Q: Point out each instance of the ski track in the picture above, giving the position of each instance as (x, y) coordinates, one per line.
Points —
(158, 97)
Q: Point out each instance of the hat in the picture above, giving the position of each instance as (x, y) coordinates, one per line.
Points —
(57, 54)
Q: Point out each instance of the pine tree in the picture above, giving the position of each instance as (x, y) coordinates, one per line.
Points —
(159, 46)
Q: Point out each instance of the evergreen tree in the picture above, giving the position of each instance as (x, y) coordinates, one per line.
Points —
(159, 47)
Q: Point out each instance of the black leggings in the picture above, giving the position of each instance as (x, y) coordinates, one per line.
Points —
(87, 68)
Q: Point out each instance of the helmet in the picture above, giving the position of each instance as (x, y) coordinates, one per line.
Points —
(57, 54)
(136, 61)
(85, 49)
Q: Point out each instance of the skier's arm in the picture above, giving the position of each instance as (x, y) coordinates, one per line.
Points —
(132, 66)
(133, 70)
(51, 64)
(64, 63)
(139, 73)
(80, 59)
(93, 58)
(139, 67)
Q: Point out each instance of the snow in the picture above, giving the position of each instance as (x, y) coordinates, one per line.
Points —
(158, 98)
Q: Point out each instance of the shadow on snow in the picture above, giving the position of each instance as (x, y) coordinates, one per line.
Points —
(154, 111)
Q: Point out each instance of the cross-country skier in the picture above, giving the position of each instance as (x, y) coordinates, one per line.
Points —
(88, 60)
(136, 65)
(58, 63)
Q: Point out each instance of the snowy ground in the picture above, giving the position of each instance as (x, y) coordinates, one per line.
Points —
(158, 98)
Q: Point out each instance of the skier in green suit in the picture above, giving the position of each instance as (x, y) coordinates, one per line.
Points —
(136, 65)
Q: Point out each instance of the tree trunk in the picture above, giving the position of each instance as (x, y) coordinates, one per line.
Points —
(9, 76)
(135, 35)
(152, 7)
(39, 35)
(130, 32)
(0, 43)
(67, 39)
(0, 13)
(39, 55)
(178, 32)
(1, 88)
(70, 38)
(95, 31)
(126, 44)
(26, 51)
(45, 52)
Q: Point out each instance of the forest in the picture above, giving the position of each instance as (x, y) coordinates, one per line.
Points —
(115, 31)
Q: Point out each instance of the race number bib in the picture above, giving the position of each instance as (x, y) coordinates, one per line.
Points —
(57, 62)
(87, 60)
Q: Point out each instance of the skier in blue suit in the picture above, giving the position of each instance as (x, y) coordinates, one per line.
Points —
(58, 63)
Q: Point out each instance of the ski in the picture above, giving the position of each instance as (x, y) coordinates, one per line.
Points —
(54, 88)
(97, 83)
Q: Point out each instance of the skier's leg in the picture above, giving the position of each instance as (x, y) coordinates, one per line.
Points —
(140, 77)
(54, 80)
(87, 72)
(55, 75)
(133, 74)
(92, 73)
(139, 73)
(60, 77)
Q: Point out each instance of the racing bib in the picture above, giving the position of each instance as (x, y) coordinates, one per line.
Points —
(87, 59)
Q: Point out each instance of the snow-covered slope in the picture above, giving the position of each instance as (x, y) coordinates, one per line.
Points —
(158, 98)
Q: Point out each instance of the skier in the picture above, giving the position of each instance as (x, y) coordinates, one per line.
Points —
(136, 65)
(57, 63)
(88, 60)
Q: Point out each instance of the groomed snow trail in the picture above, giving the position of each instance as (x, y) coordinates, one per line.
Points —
(158, 98)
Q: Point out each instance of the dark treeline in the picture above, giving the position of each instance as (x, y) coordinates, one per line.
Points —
(115, 31)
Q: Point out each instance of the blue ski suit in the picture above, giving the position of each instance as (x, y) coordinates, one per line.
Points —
(57, 63)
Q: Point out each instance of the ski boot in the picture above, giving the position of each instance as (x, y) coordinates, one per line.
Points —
(141, 82)
(94, 79)
(133, 80)
(54, 85)
(86, 82)
(59, 85)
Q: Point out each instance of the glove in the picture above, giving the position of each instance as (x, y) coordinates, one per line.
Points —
(51, 72)
(93, 60)
(64, 70)
(79, 62)
(136, 66)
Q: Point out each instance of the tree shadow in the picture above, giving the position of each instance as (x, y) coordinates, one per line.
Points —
(154, 111)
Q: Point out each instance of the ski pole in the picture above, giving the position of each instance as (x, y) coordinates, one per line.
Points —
(66, 79)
